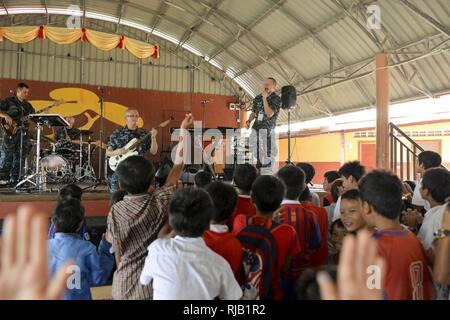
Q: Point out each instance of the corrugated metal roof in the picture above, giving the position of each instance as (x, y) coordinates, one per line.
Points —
(314, 44)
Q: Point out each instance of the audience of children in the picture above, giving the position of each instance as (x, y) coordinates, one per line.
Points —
(183, 267)
(256, 239)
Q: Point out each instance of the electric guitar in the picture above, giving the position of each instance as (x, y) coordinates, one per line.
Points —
(12, 129)
(132, 147)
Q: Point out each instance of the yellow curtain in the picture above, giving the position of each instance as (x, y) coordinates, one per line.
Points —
(62, 35)
(20, 34)
(100, 40)
(103, 41)
(140, 49)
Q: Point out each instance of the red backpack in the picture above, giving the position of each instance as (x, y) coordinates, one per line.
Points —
(260, 255)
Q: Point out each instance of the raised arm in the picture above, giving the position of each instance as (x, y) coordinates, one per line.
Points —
(177, 168)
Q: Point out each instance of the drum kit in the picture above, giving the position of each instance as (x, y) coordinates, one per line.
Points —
(68, 162)
(63, 161)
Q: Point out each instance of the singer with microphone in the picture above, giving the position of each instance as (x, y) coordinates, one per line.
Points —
(266, 108)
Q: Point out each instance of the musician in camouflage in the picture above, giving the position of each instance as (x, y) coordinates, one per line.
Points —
(13, 109)
(120, 137)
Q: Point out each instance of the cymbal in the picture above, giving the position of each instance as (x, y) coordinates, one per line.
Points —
(44, 138)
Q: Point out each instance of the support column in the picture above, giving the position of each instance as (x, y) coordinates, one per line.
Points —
(383, 99)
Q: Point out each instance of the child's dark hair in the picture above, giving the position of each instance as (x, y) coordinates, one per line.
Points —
(383, 191)
(294, 180)
(267, 193)
(70, 191)
(337, 223)
(411, 184)
(202, 179)
(437, 182)
(190, 212)
(331, 176)
(305, 196)
(307, 287)
(354, 169)
(135, 174)
(117, 197)
(224, 197)
(430, 159)
(351, 195)
(335, 189)
(68, 215)
(244, 175)
(309, 171)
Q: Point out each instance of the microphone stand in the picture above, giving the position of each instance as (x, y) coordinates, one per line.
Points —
(100, 149)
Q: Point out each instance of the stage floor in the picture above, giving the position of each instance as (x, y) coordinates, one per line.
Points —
(95, 200)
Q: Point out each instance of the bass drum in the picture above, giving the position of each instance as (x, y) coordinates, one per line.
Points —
(56, 168)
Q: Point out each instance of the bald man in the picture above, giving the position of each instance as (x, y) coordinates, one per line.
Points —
(120, 137)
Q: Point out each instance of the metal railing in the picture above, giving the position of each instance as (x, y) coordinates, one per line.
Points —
(402, 156)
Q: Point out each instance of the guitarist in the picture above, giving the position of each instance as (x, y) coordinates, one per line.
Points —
(13, 109)
(120, 137)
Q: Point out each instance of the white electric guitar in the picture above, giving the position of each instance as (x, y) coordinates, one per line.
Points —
(132, 147)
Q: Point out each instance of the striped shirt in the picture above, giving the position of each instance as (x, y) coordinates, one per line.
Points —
(133, 224)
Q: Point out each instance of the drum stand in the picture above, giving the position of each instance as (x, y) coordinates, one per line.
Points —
(86, 172)
(35, 179)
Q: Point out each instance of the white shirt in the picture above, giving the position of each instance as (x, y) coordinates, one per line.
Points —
(337, 210)
(431, 222)
(287, 201)
(417, 199)
(219, 228)
(315, 198)
(186, 269)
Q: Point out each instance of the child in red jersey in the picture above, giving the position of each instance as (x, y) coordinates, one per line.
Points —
(218, 238)
(319, 256)
(267, 194)
(304, 221)
(243, 177)
(407, 274)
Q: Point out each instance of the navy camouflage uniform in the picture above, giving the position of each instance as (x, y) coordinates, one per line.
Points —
(262, 138)
(119, 139)
(10, 148)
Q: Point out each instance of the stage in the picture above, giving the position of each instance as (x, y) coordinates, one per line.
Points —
(95, 200)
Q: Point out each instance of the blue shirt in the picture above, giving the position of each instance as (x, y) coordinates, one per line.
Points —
(95, 267)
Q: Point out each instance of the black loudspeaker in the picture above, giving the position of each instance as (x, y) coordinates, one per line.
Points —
(288, 97)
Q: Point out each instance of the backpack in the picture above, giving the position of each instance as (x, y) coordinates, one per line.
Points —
(258, 264)
(312, 224)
